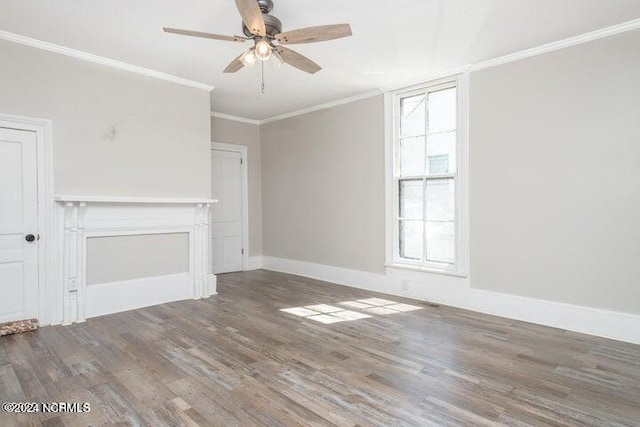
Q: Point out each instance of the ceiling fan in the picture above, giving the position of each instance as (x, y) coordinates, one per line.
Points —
(266, 32)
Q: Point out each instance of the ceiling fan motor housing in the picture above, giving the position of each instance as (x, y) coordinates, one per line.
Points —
(271, 23)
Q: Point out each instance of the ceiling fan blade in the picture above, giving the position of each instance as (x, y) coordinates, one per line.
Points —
(294, 59)
(235, 65)
(315, 34)
(205, 35)
(252, 16)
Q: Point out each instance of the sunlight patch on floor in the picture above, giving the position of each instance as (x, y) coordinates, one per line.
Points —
(328, 314)
(376, 301)
(323, 308)
(355, 304)
(299, 311)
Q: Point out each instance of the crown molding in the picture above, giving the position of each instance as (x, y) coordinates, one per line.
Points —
(318, 107)
(235, 118)
(78, 54)
(420, 82)
(324, 106)
(559, 45)
(523, 54)
(517, 56)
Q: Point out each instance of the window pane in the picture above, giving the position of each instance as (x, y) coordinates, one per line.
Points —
(412, 154)
(411, 199)
(442, 110)
(413, 116)
(441, 153)
(441, 242)
(441, 197)
(411, 240)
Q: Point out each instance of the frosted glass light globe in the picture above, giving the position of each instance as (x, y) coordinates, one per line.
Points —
(263, 50)
(249, 58)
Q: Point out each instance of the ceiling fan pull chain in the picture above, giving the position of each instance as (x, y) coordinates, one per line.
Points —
(262, 63)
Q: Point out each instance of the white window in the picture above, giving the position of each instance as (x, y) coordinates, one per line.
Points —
(427, 178)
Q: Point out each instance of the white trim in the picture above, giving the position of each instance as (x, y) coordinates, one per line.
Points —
(460, 268)
(48, 244)
(324, 106)
(559, 45)
(229, 147)
(388, 175)
(425, 269)
(255, 263)
(235, 118)
(463, 217)
(114, 297)
(85, 56)
(131, 200)
(245, 195)
(419, 83)
(456, 292)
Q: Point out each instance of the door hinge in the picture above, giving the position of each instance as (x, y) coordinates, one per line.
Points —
(241, 160)
(242, 251)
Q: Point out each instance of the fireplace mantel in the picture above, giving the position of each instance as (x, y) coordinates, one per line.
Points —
(84, 217)
(131, 200)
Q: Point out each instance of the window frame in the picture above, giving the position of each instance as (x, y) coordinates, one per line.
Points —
(460, 176)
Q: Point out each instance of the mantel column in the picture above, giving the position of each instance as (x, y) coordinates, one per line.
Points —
(73, 262)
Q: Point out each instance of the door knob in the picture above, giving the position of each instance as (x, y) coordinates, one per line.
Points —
(30, 238)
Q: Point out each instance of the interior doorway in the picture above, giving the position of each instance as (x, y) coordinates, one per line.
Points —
(28, 273)
(229, 216)
(18, 224)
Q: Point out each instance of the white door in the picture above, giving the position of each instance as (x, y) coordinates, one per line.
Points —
(226, 215)
(18, 223)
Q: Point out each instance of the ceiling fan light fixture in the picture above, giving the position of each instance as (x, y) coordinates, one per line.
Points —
(259, 26)
(263, 50)
(248, 58)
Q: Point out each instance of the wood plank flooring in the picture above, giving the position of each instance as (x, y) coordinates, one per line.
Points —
(236, 359)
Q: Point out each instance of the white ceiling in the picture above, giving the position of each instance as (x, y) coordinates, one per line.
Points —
(395, 41)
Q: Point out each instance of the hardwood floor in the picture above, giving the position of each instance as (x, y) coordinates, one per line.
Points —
(236, 359)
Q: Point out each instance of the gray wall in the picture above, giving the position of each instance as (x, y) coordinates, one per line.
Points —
(233, 132)
(555, 176)
(115, 133)
(109, 258)
(555, 172)
(323, 186)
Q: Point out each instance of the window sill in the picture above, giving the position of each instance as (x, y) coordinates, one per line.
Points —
(429, 270)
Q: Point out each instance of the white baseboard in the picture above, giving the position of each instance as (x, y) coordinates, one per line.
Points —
(456, 292)
(255, 263)
(109, 298)
(212, 284)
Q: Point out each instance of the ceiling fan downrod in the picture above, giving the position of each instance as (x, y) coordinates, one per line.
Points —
(266, 6)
